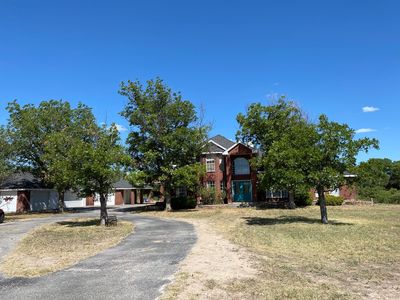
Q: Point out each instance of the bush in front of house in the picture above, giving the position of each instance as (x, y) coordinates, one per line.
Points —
(183, 203)
(302, 198)
(210, 196)
(333, 200)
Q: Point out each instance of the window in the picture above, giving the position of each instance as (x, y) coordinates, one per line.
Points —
(210, 165)
(181, 191)
(222, 185)
(210, 184)
(276, 194)
(241, 166)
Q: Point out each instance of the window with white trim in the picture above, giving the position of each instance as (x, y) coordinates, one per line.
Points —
(210, 165)
(210, 184)
(276, 194)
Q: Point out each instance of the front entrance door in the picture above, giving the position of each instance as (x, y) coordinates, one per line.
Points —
(242, 191)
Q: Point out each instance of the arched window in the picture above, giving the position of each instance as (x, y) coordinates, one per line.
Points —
(241, 166)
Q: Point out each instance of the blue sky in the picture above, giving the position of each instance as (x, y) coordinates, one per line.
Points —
(332, 57)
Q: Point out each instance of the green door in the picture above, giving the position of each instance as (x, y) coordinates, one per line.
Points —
(242, 191)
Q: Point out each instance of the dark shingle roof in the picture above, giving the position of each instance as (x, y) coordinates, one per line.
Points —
(222, 141)
(213, 148)
(26, 181)
(122, 184)
(22, 180)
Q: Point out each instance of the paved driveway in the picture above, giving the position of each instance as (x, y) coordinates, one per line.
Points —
(137, 268)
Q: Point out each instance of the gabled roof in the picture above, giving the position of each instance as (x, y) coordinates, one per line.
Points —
(226, 152)
(222, 141)
(22, 180)
(211, 147)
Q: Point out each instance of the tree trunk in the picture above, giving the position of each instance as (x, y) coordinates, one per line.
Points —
(103, 209)
(167, 200)
(322, 205)
(61, 203)
(167, 197)
(292, 205)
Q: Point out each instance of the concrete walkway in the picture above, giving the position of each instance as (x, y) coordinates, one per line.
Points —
(137, 268)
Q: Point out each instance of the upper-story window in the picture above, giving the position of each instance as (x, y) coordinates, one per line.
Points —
(241, 166)
(210, 165)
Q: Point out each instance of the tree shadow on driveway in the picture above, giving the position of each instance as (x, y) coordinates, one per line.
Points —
(288, 220)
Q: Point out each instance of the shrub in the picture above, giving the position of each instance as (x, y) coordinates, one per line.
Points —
(302, 198)
(391, 196)
(333, 200)
(183, 203)
(209, 196)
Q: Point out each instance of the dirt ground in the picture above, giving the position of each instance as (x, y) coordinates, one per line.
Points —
(214, 262)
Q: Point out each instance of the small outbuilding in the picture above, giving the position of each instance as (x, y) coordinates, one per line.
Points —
(23, 192)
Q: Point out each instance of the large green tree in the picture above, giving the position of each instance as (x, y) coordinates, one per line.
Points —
(333, 152)
(296, 153)
(394, 180)
(373, 175)
(42, 137)
(166, 133)
(97, 163)
(379, 179)
(282, 134)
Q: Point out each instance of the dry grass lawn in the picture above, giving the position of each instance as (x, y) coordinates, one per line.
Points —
(12, 217)
(55, 246)
(356, 256)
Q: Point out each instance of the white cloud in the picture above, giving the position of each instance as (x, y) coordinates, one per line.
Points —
(368, 109)
(121, 128)
(365, 130)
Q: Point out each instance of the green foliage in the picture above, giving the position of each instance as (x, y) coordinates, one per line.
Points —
(166, 133)
(209, 196)
(188, 176)
(334, 152)
(29, 128)
(295, 152)
(379, 179)
(381, 195)
(391, 196)
(394, 180)
(136, 178)
(97, 164)
(302, 198)
(43, 137)
(333, 200)
(183, 203)
(283, 135)
(59, 147)
(5, 154)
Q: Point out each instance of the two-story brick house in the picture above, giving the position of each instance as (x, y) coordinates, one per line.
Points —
(228, 169)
